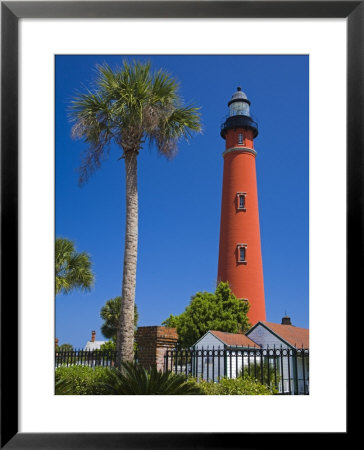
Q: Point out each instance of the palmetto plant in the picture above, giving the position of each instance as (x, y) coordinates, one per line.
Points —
(130, 106)
(73, 269)
(130, 379)
(133, 379)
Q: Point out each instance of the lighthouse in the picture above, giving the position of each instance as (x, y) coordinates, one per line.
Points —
(240, 256)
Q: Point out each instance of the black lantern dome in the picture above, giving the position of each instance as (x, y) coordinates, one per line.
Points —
(239, 114)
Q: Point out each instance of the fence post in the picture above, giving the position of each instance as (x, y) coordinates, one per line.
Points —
(166, 361)
(295, 372)
(289, 370)
(268, 368)
(275, 366)
(303, 370)
(282, 369)
(213, 363)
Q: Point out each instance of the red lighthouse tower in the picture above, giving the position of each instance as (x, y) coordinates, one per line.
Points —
(240, 256)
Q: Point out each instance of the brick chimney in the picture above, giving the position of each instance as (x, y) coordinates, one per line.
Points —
(286, 320)
(56, 342)
(93, 335)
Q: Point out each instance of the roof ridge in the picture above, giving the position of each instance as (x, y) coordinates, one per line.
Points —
(227, 332)
(283, 325)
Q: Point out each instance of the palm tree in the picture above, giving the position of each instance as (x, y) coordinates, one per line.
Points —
(130, 106)
(110, 313)
(73, 269)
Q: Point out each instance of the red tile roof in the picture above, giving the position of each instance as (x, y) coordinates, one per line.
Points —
(298, 337)
(234, 339)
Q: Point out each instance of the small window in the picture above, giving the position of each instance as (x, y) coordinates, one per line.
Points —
(241, 200)
(240, 138)
(242, 253)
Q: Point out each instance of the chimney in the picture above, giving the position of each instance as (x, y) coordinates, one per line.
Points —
(93, 335)
(56, 342)
(286, 320)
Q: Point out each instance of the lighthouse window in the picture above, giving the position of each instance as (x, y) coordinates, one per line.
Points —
(240, 138)
(241, 201)
(242, 253)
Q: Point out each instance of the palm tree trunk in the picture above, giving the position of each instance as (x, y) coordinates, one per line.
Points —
(125, 333)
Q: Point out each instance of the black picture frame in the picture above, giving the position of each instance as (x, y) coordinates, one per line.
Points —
(11, 12)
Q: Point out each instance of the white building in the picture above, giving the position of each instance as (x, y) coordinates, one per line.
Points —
(219, 354)
(93, 344)
(268, 351)
(292, 346)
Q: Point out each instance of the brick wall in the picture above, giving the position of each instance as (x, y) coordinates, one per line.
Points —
(153, 343)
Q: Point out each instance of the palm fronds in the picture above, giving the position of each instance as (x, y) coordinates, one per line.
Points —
(110, 313)
(128, 106)
(133, 379)
(72, 269)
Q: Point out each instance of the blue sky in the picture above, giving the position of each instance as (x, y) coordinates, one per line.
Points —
(180, 200)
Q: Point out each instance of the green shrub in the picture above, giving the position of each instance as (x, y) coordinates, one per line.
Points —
(258, 371)
(234, 386)
(133, 379)
(80, 380)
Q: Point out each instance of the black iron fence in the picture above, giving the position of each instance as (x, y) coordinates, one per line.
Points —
(90, 358)
(286, 369)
